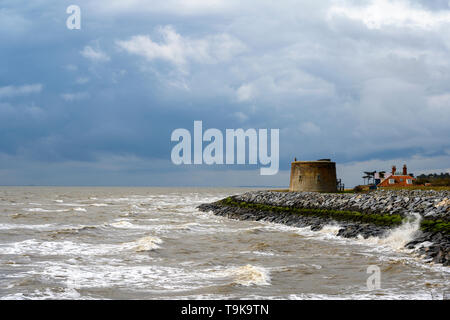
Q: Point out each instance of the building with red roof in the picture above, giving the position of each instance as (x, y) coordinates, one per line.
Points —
(397, 179)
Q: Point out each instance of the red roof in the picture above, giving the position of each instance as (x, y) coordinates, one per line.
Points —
(400, 180)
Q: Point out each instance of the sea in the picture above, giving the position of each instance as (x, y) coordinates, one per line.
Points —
(152, 243)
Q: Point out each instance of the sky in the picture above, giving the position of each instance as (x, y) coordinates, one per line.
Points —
(365, 83)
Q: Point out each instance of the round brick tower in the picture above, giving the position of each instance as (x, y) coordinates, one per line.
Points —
(319, 176)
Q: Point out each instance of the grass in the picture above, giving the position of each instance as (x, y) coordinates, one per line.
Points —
(435, 226)
(340, 215)
(389, 220)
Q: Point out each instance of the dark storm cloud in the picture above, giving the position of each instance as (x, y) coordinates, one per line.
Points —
(339, 79)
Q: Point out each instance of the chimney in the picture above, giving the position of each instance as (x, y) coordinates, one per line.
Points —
(405, 170)
(393, 170)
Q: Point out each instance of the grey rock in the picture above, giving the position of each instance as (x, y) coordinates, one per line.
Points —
(407, 203)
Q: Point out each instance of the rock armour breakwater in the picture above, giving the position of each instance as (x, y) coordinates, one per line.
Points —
(371, 214)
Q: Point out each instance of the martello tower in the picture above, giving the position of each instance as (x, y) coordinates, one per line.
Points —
(319, 176)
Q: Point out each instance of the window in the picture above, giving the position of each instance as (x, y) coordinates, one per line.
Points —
(300, 178)
(409, 181)
(401, 179)
(391, 181)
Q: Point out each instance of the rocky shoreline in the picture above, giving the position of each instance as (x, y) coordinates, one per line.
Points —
(371, 214)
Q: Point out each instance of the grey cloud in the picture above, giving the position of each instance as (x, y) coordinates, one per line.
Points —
(337, 85)
(11, 91)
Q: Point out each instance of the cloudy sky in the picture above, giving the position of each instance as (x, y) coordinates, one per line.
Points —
(366, 83)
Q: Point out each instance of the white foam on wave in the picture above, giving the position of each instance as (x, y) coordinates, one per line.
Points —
(48, 294)
(119, 200)
(136, 207)
(99, 204)
(271, 226)
(249, 275)
(191, 226)
(147, 243)
(12, 226)
(113, 274)
(122, 224)
(46, 210)
(63, 248)
(159, 228)
(395, 240)
(45, 227)
(263, 253)
(328, 232)
(73, 204)
(330, 229)
(80, 209)
(126, 224)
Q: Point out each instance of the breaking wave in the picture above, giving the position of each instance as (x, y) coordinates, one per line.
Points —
(249, 275)
(147, 243)
(122, 224)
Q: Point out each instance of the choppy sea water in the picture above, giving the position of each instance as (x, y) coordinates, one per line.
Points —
(152, 243)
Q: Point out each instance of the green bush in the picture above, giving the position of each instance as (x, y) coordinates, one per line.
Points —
(435, 226)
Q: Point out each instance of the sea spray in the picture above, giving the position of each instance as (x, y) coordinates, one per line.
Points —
(397, 238)
(332, 229)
